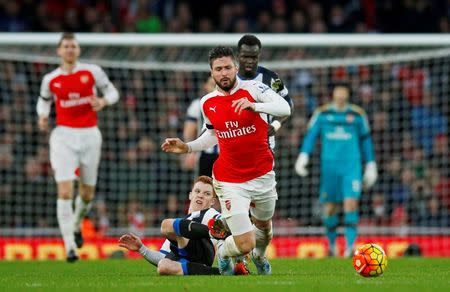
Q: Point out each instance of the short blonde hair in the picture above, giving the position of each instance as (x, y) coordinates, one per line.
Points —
(66, 36)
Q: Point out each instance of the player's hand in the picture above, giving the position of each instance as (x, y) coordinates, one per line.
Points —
(98, 103)
(271, 131)
(130, 242)
(43, 123)
(273, 128)
(277, 85)
(174, 145)
(370, 175)
(301, 163)
(242, 104)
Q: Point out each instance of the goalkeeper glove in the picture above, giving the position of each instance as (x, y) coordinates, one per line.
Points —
(218, 227)
(370, 175)
(300, 164)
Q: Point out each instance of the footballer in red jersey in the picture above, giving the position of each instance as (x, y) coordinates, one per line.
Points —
(76, 141)
(235, 115)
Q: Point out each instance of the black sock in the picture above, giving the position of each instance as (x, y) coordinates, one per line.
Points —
(201, 269)
(193, 230)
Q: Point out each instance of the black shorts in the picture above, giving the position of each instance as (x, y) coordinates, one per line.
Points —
(197, 251)
(205, 163)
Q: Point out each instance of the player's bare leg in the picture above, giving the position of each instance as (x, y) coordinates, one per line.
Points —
(82, 206)
(351, 219)
(240, 243)
(167, 229)
(330, 221)
(169, 267)
(263, 236)
(64, 212)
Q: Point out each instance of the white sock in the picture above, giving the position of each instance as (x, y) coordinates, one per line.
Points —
(263, 238)
(229, 248)
(64, 213)
(81, 209)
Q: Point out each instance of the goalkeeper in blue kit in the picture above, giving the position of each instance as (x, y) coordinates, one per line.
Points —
(344, 132)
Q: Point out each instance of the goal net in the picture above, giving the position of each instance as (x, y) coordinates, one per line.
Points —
(402, 82)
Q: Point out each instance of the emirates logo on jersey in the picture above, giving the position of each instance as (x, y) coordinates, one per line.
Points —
(84, 78)
(228, 205)
(233, 130)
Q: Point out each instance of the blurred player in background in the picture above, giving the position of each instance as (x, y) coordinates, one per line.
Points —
(75, 143)
(249, 50)
(189, 248)
(193, 127)
(235, 115)
(345, 135)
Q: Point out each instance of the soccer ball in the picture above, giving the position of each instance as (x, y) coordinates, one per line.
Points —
(370, 260)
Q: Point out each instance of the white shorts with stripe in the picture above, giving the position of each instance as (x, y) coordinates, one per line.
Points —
(73, 148)
(257, 195)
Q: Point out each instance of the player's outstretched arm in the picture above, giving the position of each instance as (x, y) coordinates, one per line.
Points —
(134, 243)
(269, 102)
(174, 145)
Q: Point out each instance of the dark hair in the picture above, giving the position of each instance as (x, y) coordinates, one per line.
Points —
(249, 40)
(345, 84)
(219, 52)
(206, 180)
(66, 36)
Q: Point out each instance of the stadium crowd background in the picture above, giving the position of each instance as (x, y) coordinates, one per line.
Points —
(139, 185)
(268, 16)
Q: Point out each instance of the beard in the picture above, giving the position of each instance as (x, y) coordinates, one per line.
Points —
(230, 84)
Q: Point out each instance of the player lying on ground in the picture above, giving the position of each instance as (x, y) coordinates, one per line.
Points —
(189, 248)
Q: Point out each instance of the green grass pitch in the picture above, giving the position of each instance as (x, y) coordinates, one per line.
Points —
(408, 274)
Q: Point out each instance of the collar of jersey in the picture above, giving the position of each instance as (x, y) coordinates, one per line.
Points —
(333, 107)
(258, 70)
(75, 69)
(233, 91)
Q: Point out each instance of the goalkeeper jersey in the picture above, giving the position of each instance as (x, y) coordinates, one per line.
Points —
(344, 135)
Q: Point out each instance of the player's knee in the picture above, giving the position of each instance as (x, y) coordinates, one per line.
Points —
(350, 205)
(167, 267)
(87, 192)
(166, 226)
(263, 225)
(65, 191)
(245, 243)
(246, 247)
(163, 268)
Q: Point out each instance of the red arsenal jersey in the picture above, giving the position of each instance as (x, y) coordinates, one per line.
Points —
(72, 93)
(243, 141)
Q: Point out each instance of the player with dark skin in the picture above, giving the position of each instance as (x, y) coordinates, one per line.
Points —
(248, 58)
